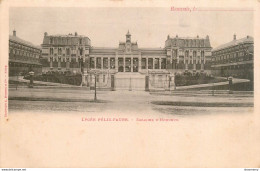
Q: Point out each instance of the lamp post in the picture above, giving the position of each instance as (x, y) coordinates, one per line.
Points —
(81, 67)
(31, 79)
(130, 86)
(95, 96)
(230, 82)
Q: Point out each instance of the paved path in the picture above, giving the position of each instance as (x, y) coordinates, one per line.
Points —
(118, 101)
(235, 81)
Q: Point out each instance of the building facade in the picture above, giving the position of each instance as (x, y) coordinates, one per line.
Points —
(75, 53)
(235, 58)
(65, 52)
(189, 54)
(23, 57)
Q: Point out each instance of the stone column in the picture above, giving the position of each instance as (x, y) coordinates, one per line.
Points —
(102, 60)
(153, 62)
(95, 62)
(139, 62)
(159, 63)
(147, 62)
(132, 66)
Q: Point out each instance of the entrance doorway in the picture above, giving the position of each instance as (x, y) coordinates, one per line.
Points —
(128, 64)
(135, 65)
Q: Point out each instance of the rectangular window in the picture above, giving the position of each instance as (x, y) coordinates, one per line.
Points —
(92, 63)
(156, 63)
(98, 63)
(105, 63)
(120, 65)
(163, 63)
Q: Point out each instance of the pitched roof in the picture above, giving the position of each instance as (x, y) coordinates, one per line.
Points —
(183, 42)
(19, 40)
(67, 35)
(248, 39)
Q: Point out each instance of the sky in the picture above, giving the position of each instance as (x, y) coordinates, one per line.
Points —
(148, 26)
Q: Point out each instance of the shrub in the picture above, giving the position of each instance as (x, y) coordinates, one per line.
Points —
(58, 77)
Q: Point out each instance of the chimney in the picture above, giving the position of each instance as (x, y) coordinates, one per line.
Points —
(14, 33)
(197, 36)
(247, 37)
(176, 35)
(207, 37)
(235, 37)
(45, 34)
(76, 33)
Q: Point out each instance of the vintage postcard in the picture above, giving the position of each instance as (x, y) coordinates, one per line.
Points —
(129, 84)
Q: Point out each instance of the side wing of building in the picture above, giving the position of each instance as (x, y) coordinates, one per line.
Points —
(23, 56)
(235, 58)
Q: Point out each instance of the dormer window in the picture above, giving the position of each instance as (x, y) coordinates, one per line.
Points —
(80, 41)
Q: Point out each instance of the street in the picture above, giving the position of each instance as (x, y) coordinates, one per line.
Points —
(71, 100)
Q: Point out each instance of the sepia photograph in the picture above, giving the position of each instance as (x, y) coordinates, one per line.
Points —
(129, 84)
(80, 59)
